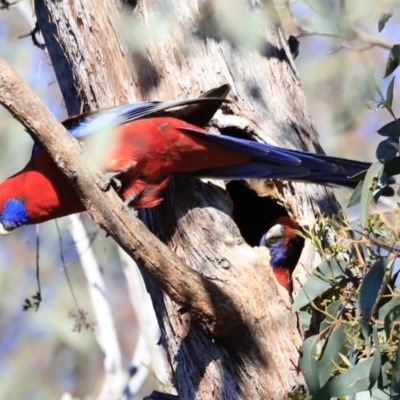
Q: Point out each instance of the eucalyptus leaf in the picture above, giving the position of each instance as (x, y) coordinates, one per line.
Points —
(354, 380)
(376, 365)
(356, 195)
(369, 185)
(308, 364)
(335, 344)
(395, 384)
(387, 150)
(383, 19)
(389, 92)
(326, 275)
(392, 316)
(332, 311)
(305, 319)
(393, 60)
(388, 308)
(392, 167)
(391, 129)
(370, 288)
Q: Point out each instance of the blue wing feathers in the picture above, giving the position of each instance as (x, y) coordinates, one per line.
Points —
(267, 161)
(277, 163)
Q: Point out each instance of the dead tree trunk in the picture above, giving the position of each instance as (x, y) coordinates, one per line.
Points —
(256, 355)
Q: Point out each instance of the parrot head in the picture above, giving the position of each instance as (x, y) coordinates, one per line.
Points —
(36, 194)
(285, 247)
(284, 244)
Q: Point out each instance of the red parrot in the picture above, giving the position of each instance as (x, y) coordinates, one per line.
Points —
(285, 248)
(148, 146)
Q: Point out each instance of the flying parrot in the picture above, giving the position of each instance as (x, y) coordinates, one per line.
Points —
(285, 247)
(150, 142)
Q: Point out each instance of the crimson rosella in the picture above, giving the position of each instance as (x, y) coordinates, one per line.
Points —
(148, 146)
(285, 248)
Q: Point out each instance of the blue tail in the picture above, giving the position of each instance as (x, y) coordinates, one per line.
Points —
(274, 162)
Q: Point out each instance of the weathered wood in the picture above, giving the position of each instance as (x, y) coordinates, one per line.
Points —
(258, 358)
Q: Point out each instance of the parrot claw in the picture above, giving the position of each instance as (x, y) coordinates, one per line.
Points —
(131, 198)
(111, 178)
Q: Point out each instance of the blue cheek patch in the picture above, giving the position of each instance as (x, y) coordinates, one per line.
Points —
(14, 214)
(279, 255)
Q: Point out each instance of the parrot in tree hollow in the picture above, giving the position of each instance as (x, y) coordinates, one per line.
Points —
(149, 144)
(285, 248)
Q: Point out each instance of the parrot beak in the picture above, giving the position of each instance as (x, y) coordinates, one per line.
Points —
(275, 232)
(3, 231)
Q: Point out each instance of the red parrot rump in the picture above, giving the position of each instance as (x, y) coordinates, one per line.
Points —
(149, 144)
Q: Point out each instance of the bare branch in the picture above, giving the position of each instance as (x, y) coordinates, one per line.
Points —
(105, 331)
(356, 35)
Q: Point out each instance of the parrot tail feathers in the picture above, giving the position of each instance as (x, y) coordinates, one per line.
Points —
(272, 162)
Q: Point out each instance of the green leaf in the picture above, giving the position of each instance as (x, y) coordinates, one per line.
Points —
(389, 92)
(387, 150)
(376, 365)
(392, 167)
(388, 309)
(308, 363)
(369, 185)
(395, 385)
(383, 19)
(335, 344)
(370, 288)
(332, 311)
(365, 329)
(305, 319)
(326, 275)
(389, 313)
(354, 380)
(391, 129)
(393, 60)
(392, 316)
(356, 195)
(384, 381)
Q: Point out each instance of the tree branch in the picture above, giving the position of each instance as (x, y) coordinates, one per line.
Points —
(184, 285)
(356, 35)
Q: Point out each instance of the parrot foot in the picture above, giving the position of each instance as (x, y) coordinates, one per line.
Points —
(131, 198)
(111, 178)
